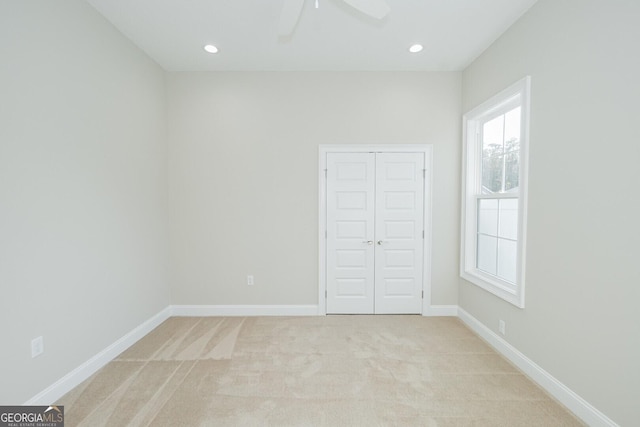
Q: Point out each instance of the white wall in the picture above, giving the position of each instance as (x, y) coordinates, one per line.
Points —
(581, 321)
(83, 206)
(244, 174)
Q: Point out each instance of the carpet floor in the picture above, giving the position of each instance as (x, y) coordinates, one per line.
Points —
(311, 371)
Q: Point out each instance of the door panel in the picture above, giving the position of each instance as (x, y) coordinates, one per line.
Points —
(399, 232)
(399, 287)
(350, 232)
(374, 232)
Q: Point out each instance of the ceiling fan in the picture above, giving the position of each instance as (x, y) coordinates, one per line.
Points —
(292, 9)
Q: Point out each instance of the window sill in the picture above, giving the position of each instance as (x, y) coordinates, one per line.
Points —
(496, 287)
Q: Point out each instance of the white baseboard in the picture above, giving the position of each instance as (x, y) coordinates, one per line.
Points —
(244, 310)
(441, 310)
(580, 407)
(91, 366)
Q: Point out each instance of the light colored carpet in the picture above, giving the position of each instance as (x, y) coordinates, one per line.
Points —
(311, 371)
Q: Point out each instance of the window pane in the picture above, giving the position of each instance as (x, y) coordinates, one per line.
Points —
(508, 226)
(488, 216)
(507, 256)
(512, 172)
(492, 174)
(493, 137)
(487, 247)
(512, 145)
(512, 130)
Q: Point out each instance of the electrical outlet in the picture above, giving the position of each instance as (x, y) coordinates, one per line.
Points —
(37, 346)
(250, 280)
(502, 327)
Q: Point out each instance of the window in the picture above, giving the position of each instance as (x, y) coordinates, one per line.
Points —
(494, 201)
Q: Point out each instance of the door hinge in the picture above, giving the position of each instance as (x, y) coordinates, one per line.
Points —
(326, 234)
(422, 294)
(325, 293)
(325, 172)
(423, 234)
(424, 173)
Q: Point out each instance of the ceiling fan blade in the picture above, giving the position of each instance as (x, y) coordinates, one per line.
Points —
(291, 11)
(374, 8)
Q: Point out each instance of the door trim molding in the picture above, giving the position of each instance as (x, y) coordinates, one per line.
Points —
(323, 149)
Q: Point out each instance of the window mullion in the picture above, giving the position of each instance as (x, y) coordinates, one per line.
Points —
(498, 196)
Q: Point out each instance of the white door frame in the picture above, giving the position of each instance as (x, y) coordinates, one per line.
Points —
(427, 149)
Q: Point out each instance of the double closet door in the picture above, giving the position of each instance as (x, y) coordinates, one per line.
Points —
(375, 235)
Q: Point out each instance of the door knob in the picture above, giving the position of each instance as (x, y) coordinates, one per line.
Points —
(380, 242)
(368, 242)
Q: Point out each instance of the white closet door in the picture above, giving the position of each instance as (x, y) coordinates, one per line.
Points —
(375, 204)
(350, 232)
(399, 210)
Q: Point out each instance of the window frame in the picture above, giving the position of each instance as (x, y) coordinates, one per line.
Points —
(518, 94)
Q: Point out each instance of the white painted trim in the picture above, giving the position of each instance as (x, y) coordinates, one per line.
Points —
(580, 407)
(471, 171)
(323, 149)
(374, 148)
(322, 230)
(91, 366)
(427, 226)
(243, 310)
(441, 310)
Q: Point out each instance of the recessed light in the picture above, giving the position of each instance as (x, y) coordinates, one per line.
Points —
(211, 48)
(415, 48)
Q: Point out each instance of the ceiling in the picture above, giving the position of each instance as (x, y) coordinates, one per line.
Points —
(332, 37)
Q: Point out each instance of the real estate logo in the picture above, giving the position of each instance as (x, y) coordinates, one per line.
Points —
(31, 416)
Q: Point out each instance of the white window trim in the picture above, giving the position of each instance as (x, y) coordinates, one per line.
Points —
(498, 104)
